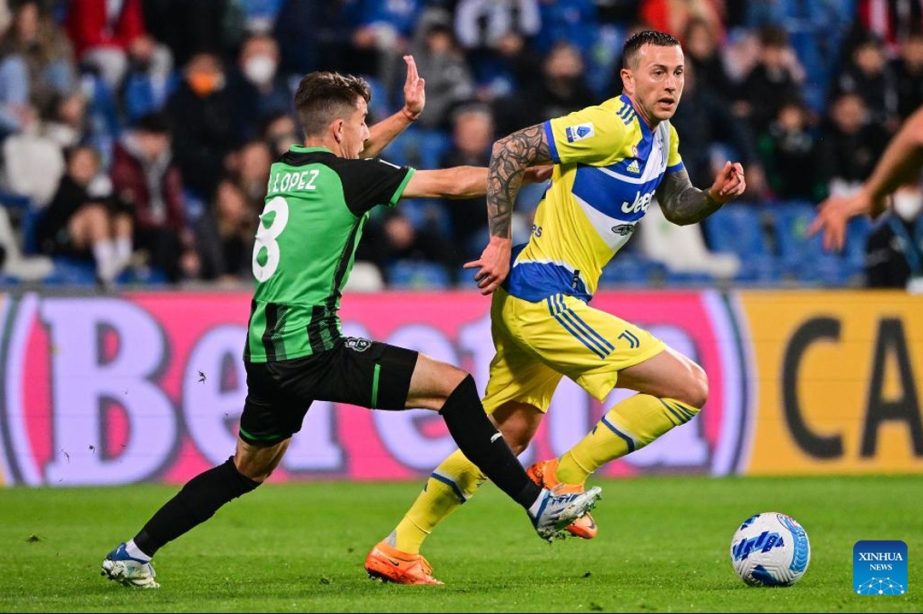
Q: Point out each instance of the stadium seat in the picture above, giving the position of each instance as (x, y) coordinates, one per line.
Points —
(804, 258)
(414, 275)
(417, 147)
(631, 269)
(739, 229)
(71, 272)
(857, 236)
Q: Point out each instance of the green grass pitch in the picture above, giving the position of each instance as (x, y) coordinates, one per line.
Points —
(663, 546)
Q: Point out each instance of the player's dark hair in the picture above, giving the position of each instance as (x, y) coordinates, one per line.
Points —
(325, 96)
(647, 37)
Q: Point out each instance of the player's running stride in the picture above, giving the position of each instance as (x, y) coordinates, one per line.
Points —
(319, 198)
(610, 161)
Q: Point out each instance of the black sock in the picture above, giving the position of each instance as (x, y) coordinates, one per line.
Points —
(479, 440)
(199, 499)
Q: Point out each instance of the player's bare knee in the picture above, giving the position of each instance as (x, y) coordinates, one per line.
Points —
(696, 393)
(516, 436)
(453, 378)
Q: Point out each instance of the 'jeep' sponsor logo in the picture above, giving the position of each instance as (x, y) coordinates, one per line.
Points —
(641, 203)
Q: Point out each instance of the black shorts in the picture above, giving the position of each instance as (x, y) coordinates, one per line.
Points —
(356, 371)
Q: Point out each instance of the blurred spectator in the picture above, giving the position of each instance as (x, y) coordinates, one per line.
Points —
(789, 150)
(382, 35)
(148, 84)
(250, 168)
(816, 31)
(146, 181)
(187, 28)
(107, 33)
(894, 251)
(774, 80)
(702, 120)
(850, 145)
(280, 132)
(201, 112)
(392, 238)
(869, 76)
(702, 48)
(82, 222)
(260, 15)
(572, 21)
(472, 137)
(37, 58)
(256, 87)
(673, 16)
(441, 62)
(5, 16)
(908, 71)
(65, 119)
(483, 23)
(327, 47)
(224, 235)
(32, 163)
(506, 68)
(741, 53)
(890, 20)
(561, 90)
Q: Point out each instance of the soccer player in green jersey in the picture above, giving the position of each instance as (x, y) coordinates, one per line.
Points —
(318, 200)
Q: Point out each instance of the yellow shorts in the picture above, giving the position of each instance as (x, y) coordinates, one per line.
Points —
(537, 343)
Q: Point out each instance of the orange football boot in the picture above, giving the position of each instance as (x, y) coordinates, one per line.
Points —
(393, 565)
(543, 474)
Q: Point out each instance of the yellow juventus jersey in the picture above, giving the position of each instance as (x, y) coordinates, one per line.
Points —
(608, 164)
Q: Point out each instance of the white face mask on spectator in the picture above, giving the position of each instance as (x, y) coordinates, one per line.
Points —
(907, 204)
(260, 69)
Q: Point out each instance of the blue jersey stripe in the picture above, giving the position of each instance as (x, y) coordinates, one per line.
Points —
(533, 281)
(549, 135)
(606, 193)
(675, 168)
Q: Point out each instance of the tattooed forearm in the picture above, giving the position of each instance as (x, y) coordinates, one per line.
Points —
(681, 202)
(510, 157)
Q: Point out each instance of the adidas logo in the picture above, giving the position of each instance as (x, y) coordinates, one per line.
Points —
(633, 167)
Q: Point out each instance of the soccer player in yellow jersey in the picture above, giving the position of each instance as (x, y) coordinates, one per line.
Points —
(610, 161)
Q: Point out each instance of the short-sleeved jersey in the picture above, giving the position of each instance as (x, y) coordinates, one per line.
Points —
(316, 207)
(608, 164)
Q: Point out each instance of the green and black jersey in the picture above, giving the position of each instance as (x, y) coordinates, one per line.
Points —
(316, 207)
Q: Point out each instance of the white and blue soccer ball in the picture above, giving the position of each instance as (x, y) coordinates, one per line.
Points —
(770, 549)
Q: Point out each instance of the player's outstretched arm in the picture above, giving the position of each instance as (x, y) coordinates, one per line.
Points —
(385, 131)
(901, 159)
(682, 203)
(509, 160)
(454, 182)
(461, 182)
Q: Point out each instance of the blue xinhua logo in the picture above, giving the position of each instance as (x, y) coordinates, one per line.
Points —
(879, 567)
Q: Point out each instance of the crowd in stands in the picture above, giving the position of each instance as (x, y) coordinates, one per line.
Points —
(137, 135)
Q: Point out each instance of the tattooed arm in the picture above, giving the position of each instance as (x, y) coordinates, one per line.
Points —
(510, 158)
(682, 203)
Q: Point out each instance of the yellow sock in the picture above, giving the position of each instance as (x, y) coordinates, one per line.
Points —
(452, 483)
(628, 426)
